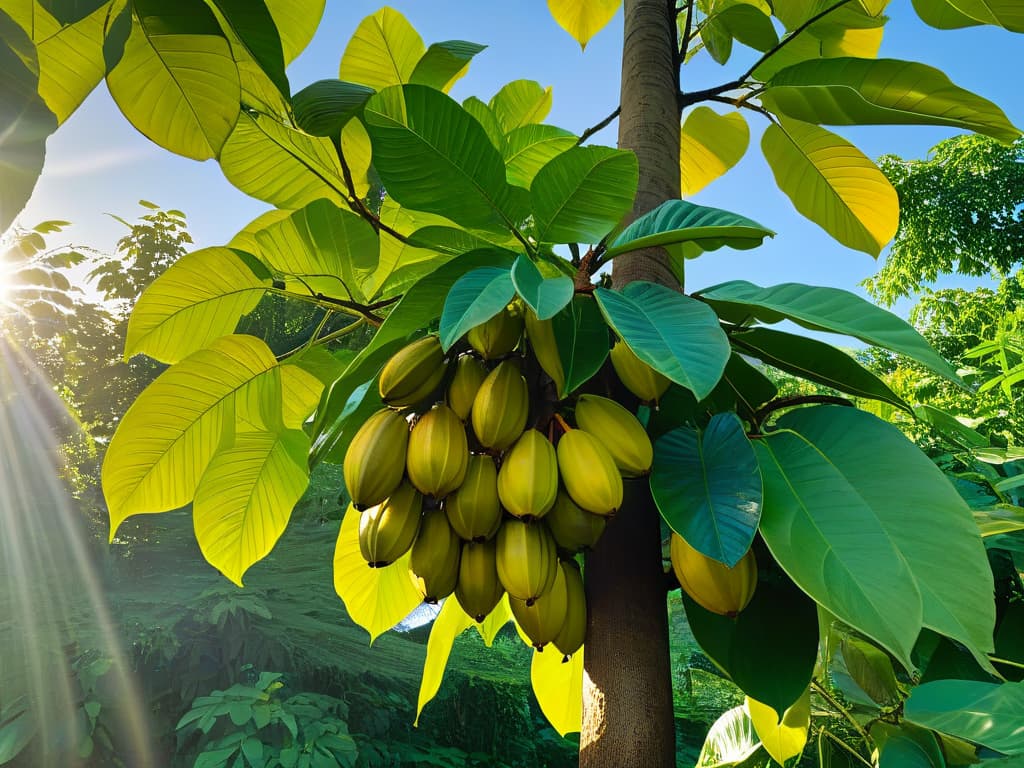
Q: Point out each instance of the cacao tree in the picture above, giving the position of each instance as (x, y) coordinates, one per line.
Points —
(402, 210)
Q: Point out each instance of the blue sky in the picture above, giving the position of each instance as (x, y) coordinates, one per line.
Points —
(98, 163)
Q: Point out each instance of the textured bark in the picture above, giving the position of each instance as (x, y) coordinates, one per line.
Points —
(627, 691)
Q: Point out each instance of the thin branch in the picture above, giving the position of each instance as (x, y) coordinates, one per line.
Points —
(845, 746)
(358, 206)
(834, 703)
(788, 402)
(744, 104)
(687, 30)
(594, 129)
(348, 307)
(692, 97)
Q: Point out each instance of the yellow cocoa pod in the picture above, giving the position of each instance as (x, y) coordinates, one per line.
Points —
(438, 452)
(589, 472)
(638, 377)
(434, 562)
(469, 375)
(542, 619)
(541, 334)
(412, 373)
(473, 510)
(375, 459)
(573, 528)
(478, 589)
(574, 629)
(498, 336)
(618, 431)
(501, 407)
(526, 558)
(387, 531)
(714, 585)
(528, 478)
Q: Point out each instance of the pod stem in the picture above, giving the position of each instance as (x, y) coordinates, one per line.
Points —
(561, 422)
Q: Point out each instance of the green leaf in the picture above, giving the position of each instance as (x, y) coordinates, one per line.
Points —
(583, 18)
(199, 298)
(833, 184)
(1005, 518)
(680, 221)
(851, 91)
(520, 103)
(475, 298)
(280, 165)
(529, 148)
(731, 740)
(433, 156)
(943, 15)
(375, 598)
(670, 332)
(68, 12)
(545, 296)
(748, 21)
(444, 63)
(383, 51)
(341, 413)
(167, 438)
(322, 108)
(582, 339)
(743, 388)
(707, 486)
(296, 22)
(558, 687)
(949, 426)
(835, 470)
(825, 309)
(332, 249)
(906, 747)
(177, 81)
(769, 649)
(710, 144)
(984, 713)
(25, 122)
(245, 498)
(483, 115)
(815, 361)
(870, 669)
(450, 622)
(252, 24)
(784, 734)
(583, 193)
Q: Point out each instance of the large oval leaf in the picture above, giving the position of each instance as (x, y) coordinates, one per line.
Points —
(985, 713)
(670, 332)
(558, 687)
(583, 18)
(545, 296)
(710, 144)
(707, 486)
(375, 598)
(168, 436)
(857, 453)
(825, 309)
(529, 148)
(280, 165)
(475, 298)
(324, 107)
(444, 63)
(519, 103)
(581, 336)
(582, 194)
(833, 184)
(450, 622)
(815, 361)
(851, 91)
(199, 298)
(382, 51)
(432, 156)
(731, 740)
(680, 221)
(769, 649)
(245, 498)
(256, 35)
(783, 735)
(177, 81)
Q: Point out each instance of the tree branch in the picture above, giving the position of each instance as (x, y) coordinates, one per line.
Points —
(595, 128)
(356, 203)
(834, 703)
(692, 97)
(788, 402)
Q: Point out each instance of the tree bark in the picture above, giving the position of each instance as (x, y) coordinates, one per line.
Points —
(627, 686)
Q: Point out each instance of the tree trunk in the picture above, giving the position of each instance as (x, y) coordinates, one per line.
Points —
(627, 686)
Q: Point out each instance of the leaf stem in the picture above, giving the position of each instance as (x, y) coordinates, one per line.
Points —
(788, 402)
(844, 745)
(834, 703)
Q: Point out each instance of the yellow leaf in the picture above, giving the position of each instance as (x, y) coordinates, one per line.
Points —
(558, 687)
(583, 18)
(245, 498)
(355, 147)
(301, 392)
(376, 598)
(710, 144)
(833, 184)
(383, 51)
(784, 738)
(862, 43)
(495, 620)
(519, 103)
(171, 432)
(451, 622)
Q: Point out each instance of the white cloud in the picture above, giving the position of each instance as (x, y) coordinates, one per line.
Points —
(92, 162)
